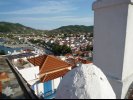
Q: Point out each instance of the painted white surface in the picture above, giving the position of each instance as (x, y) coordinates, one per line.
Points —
(41, 88)
(109, 3)
(113, 40)
(56, 82)
(29, 73)
(109, 39)
(128, 56)
(35, 89)
(85, 82)
(38, 88)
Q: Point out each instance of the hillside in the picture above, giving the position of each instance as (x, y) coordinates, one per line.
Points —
(74, 29)
(16, 28)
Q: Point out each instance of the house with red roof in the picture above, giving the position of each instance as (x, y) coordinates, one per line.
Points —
(44, 74)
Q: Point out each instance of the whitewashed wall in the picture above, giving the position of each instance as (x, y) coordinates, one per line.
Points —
(113, 40)
(29, 73)
(56, 82)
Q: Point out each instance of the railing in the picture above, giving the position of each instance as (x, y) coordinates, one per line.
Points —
(28, 92)
(49, 94)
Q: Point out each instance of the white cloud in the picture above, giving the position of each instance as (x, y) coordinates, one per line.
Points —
(49, 7)
(54, 13)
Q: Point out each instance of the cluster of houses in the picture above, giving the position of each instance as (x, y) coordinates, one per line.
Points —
(78, 44)
(43, 73)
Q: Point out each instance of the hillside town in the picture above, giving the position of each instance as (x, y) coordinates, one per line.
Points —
(79, 45)
(51, 56)
(70, 62)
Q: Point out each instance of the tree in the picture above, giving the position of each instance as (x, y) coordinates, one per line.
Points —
(88, 48)
(60, 49)
(66, 49)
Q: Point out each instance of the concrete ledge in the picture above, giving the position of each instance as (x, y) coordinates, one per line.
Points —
(29, 94)
(107, 3)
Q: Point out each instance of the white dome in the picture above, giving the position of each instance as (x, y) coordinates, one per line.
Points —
(85, 82)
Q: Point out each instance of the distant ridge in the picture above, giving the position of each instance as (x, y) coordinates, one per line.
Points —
(16, 28)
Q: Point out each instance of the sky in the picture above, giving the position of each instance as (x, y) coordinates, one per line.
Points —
(47, 14)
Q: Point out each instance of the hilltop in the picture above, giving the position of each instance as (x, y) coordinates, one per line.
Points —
(73, 29)
(16, 28)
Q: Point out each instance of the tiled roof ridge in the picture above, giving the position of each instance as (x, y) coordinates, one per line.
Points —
(50, 56)
(43, 63)
(59, 59)
(54, 75)
(34, 59)
(56, 69)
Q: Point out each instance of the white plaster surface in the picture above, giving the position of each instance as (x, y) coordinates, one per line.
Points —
(128, 56)
(56, 82)
(85, 82)
(29, 73)
(109, 39)
(113, 40)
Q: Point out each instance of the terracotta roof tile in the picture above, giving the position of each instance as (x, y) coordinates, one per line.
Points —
(48, 63)
(0, 87)
(54, 75)
(67, 55)
(3, 76)
(73, 61)
(52, 63)
(38, 61)
(85, 62)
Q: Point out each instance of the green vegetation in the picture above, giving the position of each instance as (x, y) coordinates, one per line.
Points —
(71, 29)
(75, 29)
(35, 41)
(16, 28)
(60, 49)
(89, 48)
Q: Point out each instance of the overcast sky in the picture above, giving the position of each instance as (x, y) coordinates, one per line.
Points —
(47, 14)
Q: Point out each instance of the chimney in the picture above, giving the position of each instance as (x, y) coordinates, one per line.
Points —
(113, 42)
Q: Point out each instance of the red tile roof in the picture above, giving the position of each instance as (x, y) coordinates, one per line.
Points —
(4, 76)
(52, 63)
(67, 55)
(54, 75)
(38, 61)
(76, 60)
(48, 63)
(85, 61)
(0, 88)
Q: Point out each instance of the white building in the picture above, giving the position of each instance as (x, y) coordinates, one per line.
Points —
(113, 40)
(43, 73)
